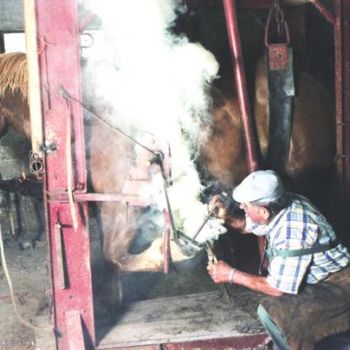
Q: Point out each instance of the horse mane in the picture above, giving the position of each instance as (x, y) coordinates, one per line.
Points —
(13, 74)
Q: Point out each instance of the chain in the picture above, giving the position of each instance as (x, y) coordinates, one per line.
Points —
(279, 16)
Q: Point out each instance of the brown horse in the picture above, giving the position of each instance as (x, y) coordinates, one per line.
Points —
(312, 143)
(222, 155)
(14, 110)
(111, 162)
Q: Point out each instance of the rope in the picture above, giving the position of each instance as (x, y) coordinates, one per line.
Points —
(12, 293)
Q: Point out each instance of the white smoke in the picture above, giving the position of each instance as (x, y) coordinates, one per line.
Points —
(159, 83)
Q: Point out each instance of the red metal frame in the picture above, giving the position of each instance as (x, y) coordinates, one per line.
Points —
(342, 86)
(345, 11)
(241, 85)
(59, 60)
(238, 343)
(243, 99)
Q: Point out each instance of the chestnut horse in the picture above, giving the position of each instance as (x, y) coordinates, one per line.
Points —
(312, 142)
(222, 155)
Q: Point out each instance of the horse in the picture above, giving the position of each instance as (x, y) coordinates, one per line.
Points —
(14, 110)
(111, 160)
(222, 155)
(312, 141)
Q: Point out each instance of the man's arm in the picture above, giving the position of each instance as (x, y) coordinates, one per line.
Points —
(222, 273)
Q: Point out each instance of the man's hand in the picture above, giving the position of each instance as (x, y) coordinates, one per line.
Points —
(220, 272)
(237, 220)
(220, 211)
(234, 218)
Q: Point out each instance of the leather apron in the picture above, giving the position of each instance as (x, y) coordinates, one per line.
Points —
(319, 310)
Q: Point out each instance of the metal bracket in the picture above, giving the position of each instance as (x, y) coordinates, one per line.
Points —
(278, 56)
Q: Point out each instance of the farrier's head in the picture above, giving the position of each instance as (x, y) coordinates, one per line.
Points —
(257, 192)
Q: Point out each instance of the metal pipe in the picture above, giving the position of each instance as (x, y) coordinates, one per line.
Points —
(239, 75)
(241, 85)
(338, 98)
(342, 49)
(205, 220)
(324, 12)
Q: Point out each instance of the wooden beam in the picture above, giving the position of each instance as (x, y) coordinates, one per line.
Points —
(33, 76)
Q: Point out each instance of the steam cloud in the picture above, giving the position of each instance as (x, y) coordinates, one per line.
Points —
(158, 81)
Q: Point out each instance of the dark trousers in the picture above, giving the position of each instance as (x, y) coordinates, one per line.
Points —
(320, 310)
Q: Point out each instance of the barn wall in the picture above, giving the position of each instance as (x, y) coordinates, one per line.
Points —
(11, 16)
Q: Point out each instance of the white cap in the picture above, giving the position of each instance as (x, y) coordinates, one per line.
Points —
(262, 185)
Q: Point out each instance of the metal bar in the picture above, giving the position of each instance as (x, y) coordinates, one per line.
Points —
(324, 12)
(339, 98)
(205, 220)
(239, 75)
(133, 200)
(74, 330)
(345, 27)
(241, 85)
(59, 254)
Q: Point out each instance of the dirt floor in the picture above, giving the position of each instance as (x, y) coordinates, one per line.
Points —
(29, 275)
(28, 272)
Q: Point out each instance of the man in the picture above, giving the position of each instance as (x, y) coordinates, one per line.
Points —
(308, 278)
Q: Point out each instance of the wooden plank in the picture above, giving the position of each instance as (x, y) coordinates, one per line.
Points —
(34, 93)
(178, 319)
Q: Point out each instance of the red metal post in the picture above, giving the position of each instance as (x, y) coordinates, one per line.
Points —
(58, 36)
(324, 12)
(338, 95)
(241, 85)
(345, 24)
(342, 86)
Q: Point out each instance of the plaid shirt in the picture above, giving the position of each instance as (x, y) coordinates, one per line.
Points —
(300, 226)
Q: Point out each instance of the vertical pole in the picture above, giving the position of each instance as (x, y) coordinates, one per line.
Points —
(241, 85)
(342, 87)
(59, 63)
(34, 96)
(345, 28)
(338, 97)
